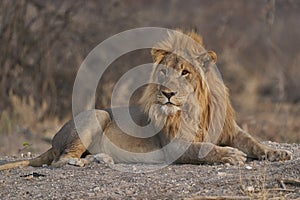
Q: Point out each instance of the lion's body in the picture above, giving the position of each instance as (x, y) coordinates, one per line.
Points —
(189, 107)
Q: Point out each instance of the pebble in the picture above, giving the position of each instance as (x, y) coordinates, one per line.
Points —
(128, 192)
(248, 167)
(222, 173)
(90, 194)
(250, 189)
(227, 165)
(96, 189)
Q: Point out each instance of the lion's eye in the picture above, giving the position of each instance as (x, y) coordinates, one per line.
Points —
(185, 72)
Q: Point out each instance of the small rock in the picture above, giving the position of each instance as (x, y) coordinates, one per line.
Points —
(248, 167)
(96, 189)
(63, 177)
(90, 194)
(128, 192)
(250, 189)
(222, 173)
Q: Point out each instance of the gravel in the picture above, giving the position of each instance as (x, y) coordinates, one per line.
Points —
(256, 179)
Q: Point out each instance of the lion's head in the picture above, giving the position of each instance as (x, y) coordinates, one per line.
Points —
(189, 92)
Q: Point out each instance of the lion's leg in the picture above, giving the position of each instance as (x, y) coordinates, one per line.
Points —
(201, 152)
(254, 149)
(74, 150)
(81, 135)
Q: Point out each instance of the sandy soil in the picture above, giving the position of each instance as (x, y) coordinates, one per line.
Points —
(255, 180)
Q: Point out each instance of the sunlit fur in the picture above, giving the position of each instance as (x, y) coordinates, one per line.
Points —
(207, 110)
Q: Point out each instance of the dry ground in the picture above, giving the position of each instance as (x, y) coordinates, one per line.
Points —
(255, 180)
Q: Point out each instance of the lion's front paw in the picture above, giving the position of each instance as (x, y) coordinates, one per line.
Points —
(276, 155)
(232, 156)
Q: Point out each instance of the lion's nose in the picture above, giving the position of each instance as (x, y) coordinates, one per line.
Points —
(168, 94)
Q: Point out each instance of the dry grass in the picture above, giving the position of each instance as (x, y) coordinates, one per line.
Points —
(43, 44)
(25, 113)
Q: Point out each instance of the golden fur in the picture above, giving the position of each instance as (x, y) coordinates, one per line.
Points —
(189, 102)
(209, 89)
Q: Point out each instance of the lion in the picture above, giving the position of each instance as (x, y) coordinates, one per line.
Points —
(186, 108)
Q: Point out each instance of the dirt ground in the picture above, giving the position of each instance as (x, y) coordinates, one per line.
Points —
(255, 180)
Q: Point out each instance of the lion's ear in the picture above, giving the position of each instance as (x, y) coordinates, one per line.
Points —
(213, 55)
(158, 54)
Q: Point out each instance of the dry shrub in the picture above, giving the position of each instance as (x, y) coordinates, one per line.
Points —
(25, 114)
(44, 42)
(30, 35)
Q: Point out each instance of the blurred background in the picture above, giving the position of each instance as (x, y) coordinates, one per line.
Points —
(43, 43)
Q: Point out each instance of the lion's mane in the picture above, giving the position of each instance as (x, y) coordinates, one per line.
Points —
(210, 117)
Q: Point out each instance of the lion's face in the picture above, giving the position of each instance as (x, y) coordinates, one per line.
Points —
(181, 93)
(181, 63)
(176, 84)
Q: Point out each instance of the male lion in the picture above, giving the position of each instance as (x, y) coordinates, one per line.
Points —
(188, 107)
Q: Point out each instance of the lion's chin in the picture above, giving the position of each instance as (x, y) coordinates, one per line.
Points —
(169, 109)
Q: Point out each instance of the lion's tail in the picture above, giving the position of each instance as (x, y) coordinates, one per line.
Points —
(45, 158)
(11, 165)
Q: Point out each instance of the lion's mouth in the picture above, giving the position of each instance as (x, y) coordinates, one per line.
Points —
(170, 108)
(170, 104)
